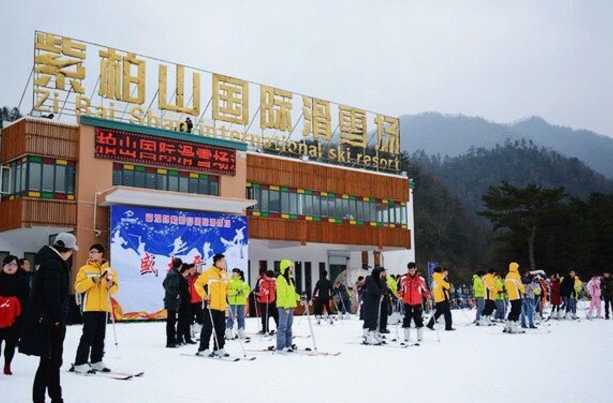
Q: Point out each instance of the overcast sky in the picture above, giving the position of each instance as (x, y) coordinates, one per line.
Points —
(499, 59)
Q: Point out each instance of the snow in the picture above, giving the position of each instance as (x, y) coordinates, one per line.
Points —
(566, 361)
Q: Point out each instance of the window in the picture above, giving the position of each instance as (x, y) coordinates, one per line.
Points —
(183, 184)
(151, 180)
(285, 207)
(274, 203)
(173, 183)
(48, 177)
(264, 200)
(35, 176)
(293, 203)
(128, 178)
(139, 179)
(5, 180)
(60, 178)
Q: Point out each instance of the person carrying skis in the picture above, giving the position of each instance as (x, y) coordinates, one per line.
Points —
(515, 289)
(97, 281)
(412, 292)
(374, 286)
(266, 293)
(213, 287)
(237, 297)
(441, 291)
(322, 294)
(287, 299)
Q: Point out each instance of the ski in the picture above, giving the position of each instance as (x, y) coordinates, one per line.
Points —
(227, 359)
(310, 352)
(120, 376)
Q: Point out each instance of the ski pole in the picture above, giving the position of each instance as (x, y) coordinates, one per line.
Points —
(306, 307)
(257, 312)
(112, 317)
(432, 313)
(235, 319)
(215, 337)
(337, 310)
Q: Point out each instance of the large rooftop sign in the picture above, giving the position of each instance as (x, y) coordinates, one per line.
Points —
(74, 78)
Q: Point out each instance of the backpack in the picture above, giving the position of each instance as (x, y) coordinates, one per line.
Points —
(10, 309)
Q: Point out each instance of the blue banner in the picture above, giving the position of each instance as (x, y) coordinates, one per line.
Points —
(143, 241)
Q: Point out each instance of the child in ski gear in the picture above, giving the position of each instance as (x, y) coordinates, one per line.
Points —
(287, 298)
(322, 294)
(593, 287)
(515, 289)
(172, 300)
(213, 287)
(412, 292)
(441, 291)
(374, 287)
(98, 281)
(44, 326)
(606, 286)
(237, 297)
(266, 292)
(14, 293)
(479, 293)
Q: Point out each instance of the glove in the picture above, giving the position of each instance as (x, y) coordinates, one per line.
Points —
(95, 279)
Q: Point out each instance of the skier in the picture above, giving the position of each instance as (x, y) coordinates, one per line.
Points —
(287, 298)
(554, 296)
(374, 286)
(501, 299)
(172, 300)
(491, 294)
(98, 281)
(567, 287)
(344, 297)
(441, 291)
(593, 287)
(14, 292)
(606, 286)
(265, 290)
(322, 294)
(213, 286)
(532, 291)
(237, 296)
(412, 291)
(479, 294)
(515, 289)
(184, 334)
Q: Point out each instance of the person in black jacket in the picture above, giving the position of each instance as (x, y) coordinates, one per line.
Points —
(323, 291)
(185, 307)
(12, 284)
(567, 287)
(172, 300)
(375, 287)
(606, 286)
(45, 326)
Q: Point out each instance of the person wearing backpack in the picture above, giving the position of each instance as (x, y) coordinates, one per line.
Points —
(266, 292)
(14, 292)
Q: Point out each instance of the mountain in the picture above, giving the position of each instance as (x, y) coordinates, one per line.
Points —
(519, 162)
(453, 135)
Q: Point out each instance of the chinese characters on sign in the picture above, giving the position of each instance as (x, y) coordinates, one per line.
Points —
(138, 148)
(67, 72)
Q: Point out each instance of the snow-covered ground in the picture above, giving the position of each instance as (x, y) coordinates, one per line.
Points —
(564, 362)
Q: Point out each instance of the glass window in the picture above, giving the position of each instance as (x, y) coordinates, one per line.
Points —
(308, 205)
(70, 179)
(173, 183)
(139, 179)
(162, 182)
(128, 178)
(6, 185)
(35, 176)
(264, 200)
(18, 187)
(150, 180)
(274, 204)
(183, 184)
(47, 178)
(117, 177)
(339, 207)
(203, 186)
(193, 185)
(285, 202)
(60, 178)
(347, 213)
(324, 205)
(214, 187)
(293, 203)
(317, 206)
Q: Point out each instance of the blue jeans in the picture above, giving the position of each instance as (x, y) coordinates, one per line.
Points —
(480, 306)
(527, 309)
(500, 309)
(284, 332)
(238, 312)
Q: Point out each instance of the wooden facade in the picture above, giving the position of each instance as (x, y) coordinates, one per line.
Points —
(30, 212)
(313, 176)
(31, 136)
(298, 174)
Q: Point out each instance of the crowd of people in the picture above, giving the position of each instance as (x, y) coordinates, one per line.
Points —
(213, 303)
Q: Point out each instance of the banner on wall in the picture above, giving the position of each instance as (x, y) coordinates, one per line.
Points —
(144, 240)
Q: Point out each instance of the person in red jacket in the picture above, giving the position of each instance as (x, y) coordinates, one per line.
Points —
(195, 300)
(266, 292)
(412, 291)
(554, 297)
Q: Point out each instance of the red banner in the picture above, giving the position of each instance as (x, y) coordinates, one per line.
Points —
(140, 148)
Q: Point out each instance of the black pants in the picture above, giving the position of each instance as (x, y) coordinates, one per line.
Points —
(219, 323)
(183, 331)
(412, 312)
(384, 312)
(442, 308)
(320, 304)
(10, 337)
(47, 377)
(267, 311)
(171, 328)
(490, 305)
(607, 302)
(92, 339)
(515, 310)
(196, 313)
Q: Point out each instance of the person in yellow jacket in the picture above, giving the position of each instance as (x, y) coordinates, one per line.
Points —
(97, 281)
(213, 286)
(441, 290)
(515, 290)
(491, 294)
(237, 297)
(287, 300)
